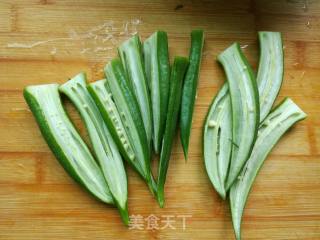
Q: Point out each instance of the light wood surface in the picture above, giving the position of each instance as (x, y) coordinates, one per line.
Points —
(39, 201)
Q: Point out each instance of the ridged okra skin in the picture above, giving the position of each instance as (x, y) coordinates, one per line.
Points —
(157, 66)
(190, 88)
(177, 74)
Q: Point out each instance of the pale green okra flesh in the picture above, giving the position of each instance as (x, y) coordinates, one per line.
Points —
(270, 71)
(64, 140)
(269, 79)
(270, 131)
(106, 151)
(245, 107)
(130, 53)
(217, 136)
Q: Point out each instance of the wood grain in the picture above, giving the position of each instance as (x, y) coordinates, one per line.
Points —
(38, 200)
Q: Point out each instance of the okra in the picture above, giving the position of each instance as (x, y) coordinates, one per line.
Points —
(244, 97)
(105, 149)
(131, 118)
(156, 61)
(130, 53)
(269, 80)
(190, 88)
(103, 99)
(217, 135)
(176, 80)
(64, 140)
(270, 71)
(270, 131)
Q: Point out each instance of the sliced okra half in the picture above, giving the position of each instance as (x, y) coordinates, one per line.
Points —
(244, 106)
(104, 147)
(130, 53)
(156, 62)
(64, 140)
(217, 136)
(119, 128)
(270, 71)
(190, 88)
(269, 80)
(270, 131)
(176, 80)
(128, 109)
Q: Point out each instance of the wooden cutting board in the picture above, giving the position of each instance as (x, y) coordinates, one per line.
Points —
(45, 41)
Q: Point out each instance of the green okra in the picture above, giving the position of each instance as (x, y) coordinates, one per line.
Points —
(104, 147)
(217, 133)
(270, 71)
(64, 141)
(245, 107)
(119, 130)
(130, 53)
(190, 88)
(269, 80)
(270, 131)
(176, 80)
(156, 61)
(128, 108)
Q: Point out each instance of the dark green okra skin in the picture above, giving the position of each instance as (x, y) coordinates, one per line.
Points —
(134, 111)
(157, 66)
(190, 88)
(176, 80)
(57, 149)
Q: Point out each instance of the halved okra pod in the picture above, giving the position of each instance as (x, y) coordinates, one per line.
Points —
(244, 105)
(217, 136)
(131, 56)
(269, 79)
(129, 112)
(176, 80)
(270, 131)
(270, 71)
(118, 127)
(156, 61)
(64, 141)
(105, 149)
(190, 88)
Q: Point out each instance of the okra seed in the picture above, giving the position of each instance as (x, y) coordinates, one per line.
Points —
(212, 124)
